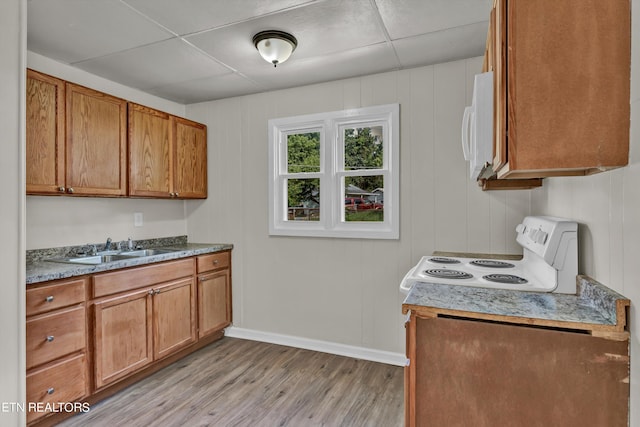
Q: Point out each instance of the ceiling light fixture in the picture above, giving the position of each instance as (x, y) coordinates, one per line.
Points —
(275, 46)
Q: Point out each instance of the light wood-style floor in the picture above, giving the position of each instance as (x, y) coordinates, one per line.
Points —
(236, 382)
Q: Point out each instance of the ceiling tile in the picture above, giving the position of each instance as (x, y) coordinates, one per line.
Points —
(406, 18)
(321, 28)
(154, 65)
(442, 46)
(199, 90)
(74, 30)
(189, 16)
(297, 72)
(134, 43)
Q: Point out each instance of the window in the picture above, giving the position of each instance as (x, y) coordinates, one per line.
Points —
(335, 174)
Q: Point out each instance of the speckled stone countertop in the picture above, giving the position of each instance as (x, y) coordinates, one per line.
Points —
(594, 308)
(40, 270)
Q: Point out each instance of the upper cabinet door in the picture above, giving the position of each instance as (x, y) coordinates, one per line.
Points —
(150, 153)
(191, 159)
(96, 143)
(567, 77)
(45, 134)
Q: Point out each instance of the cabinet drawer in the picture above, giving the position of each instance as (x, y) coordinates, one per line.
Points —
(52, 297)
(213, 261)
(124, 280)
(64, 381)
(56, 334)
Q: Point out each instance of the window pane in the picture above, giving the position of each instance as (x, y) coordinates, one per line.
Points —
(363, 148)
(303, 152)
(304, 199)
(364, 198)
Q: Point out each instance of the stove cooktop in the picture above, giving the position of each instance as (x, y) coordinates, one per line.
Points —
(486, 273)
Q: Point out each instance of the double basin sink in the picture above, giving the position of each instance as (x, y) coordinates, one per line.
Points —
(112, 256)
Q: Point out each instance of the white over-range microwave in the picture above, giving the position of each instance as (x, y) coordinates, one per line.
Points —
(477, 125)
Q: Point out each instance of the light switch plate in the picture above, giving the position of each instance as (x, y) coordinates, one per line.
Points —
(138, 219)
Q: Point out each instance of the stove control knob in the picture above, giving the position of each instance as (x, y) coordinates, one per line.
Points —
(541, 237)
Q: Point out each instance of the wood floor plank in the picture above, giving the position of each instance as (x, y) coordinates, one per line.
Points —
(235, 382)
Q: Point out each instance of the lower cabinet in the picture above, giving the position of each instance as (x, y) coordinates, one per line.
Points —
(471, 372)
(214, 293)
(56, 346)
(133, 329)
(174, 317)
(214, 311)
(123, 337)
(58, 383)
(86, 336)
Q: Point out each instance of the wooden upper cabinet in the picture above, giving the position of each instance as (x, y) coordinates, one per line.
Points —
(150, 153)
(167, 155)
(84, 142)
(96, 145)
(45, 121)
(562, 86)
(190, 159)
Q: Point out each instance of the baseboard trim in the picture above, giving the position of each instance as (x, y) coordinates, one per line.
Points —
(390, 358)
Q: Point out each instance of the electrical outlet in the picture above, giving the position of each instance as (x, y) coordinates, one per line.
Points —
(138, 219)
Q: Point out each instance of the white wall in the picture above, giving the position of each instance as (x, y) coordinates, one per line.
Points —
(346, 290)
(60, 221)
(607, 206)
(12, 355)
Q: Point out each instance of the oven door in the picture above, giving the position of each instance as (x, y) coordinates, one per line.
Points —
(477, 126)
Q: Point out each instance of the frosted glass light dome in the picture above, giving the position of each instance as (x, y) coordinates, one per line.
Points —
(275, 47)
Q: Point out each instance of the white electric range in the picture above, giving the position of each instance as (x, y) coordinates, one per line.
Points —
(549, 262)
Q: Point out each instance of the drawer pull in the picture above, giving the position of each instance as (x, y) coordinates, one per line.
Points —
(216, 262)
(49, 298)
(50, 390)
(50, 338)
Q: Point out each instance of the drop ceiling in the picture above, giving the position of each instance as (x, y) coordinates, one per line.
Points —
(192, 51)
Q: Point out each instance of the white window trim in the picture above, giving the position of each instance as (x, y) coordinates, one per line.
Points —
(331, 222)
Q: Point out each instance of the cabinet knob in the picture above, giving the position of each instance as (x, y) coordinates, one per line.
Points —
(176, 194)
(70, 190)
(150, 292)
(172, 194)
(156, 292)
(62, 189)
(216, 262)
(50, 338)
(49, 298)
(51, 390)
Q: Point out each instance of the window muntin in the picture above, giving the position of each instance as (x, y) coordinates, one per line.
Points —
(327, 170)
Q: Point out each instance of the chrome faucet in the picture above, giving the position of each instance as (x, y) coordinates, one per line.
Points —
(107, 245)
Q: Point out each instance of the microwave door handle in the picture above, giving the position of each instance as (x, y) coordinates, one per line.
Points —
(468, 111)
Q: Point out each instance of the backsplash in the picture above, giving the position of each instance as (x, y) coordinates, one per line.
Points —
(35, 255)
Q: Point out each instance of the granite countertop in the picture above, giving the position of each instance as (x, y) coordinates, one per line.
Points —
(40, 270)
(594, 308)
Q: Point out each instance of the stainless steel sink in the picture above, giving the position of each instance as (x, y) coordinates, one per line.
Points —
(95, 259)
(148, 252)
(112, 256)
